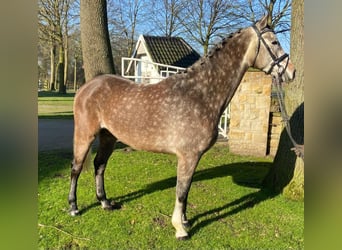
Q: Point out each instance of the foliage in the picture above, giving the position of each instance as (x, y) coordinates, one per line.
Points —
(226, 207)
(56, 20)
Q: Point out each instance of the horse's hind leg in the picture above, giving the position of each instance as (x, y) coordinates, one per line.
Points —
(106, 146)
(81, 149)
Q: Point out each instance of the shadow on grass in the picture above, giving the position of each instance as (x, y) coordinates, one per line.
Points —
(248, 174)
(54, 94)
(52, 162)
(64, 115)
(238, 205)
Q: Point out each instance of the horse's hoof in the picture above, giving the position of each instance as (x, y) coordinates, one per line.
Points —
(112, 206)
(186, 224)
(74, 212)
(183, 238)
(115, 205)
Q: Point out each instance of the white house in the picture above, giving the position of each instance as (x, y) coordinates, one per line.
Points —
(157, 57)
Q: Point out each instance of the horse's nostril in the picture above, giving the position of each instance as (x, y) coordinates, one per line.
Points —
(293, 75)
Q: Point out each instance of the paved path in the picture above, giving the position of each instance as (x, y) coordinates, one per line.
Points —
(55, 134)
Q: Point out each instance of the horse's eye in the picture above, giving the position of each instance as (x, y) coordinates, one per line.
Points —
(275, 43)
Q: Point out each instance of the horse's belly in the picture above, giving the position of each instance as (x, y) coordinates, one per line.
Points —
(144, 138)
(167, 140)
(160, 129)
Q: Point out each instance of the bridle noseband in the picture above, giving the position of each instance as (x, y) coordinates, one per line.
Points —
(276, 60)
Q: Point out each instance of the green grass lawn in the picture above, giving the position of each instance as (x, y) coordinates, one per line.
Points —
(226, 206)
(54, 105)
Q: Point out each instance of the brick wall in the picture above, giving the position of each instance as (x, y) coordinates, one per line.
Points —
(249, 115)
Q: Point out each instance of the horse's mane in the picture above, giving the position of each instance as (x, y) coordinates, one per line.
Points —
(217, 47)
(206, 58)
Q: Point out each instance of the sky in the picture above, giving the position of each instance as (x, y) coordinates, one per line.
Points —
(284, 39)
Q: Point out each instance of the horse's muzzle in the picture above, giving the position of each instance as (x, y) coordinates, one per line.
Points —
(290, 73)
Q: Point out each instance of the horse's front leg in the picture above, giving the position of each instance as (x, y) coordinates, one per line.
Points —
(185, 170)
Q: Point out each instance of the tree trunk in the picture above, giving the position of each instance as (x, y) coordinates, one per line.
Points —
(60, 70)
(52, 66)
(66, 46)
(287, 172)
(96, 49)
(75, 73)
(66, 62)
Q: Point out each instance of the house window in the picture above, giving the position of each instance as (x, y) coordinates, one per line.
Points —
(165, 73)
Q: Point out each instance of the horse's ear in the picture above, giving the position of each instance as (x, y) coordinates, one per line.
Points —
(263, 22)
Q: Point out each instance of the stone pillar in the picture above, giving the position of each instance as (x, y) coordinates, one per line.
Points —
(249, 115)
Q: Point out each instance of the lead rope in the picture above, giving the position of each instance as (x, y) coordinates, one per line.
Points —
(298, 149)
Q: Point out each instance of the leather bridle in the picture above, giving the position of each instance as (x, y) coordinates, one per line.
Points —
(299, 149)
(276, 60)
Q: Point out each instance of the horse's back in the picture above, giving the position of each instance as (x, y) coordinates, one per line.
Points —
(101, 83)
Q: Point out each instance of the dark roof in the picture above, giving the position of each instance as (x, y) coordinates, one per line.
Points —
(171, 51)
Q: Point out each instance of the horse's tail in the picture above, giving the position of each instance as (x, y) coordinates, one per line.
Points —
(87, 161)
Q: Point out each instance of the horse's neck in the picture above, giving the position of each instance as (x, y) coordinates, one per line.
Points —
(219, 73)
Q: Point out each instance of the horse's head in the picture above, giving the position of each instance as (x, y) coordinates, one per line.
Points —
(270, 56)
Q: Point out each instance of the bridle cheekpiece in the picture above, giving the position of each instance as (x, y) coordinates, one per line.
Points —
(276, 60)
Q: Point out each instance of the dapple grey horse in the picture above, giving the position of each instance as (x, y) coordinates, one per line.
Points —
(179, 115)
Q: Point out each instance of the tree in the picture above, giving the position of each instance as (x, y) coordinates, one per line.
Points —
(47, 23)
(76, 74)
(279, 12)
(165, 16)
(125, 18)
(62, 35)
(43, 62)
(126, 15)
(52, 28)
(204, 20)
(287, 172)
(96, 49)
